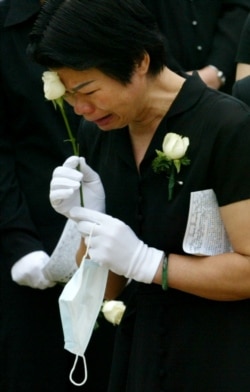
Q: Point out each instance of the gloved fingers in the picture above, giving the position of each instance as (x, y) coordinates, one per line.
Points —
(72, 162)
(41, 283)
(46, 285)
(58, 196)
(28, 271)
(86, 214)
(64, 183)
(89, 174)
(66, 172)
(86, 229)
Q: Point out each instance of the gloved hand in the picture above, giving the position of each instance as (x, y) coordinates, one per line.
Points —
(65, 187)
(113, 244)
(28, 271)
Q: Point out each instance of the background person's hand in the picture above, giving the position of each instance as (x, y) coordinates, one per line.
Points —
(209, 75)
(28, 271)
(113, 244)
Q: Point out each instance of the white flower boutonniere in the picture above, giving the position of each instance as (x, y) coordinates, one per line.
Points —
(171, 158)
(54, 90)
(113, 311)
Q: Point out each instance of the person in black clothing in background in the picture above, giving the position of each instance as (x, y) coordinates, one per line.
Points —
(241, 87)
(32, 144)
(202, 35)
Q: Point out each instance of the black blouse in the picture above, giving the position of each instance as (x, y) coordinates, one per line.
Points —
(218, 128)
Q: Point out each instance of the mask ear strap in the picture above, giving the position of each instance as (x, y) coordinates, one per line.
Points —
(73, 369)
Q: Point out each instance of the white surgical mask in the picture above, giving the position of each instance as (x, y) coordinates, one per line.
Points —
(79, 305)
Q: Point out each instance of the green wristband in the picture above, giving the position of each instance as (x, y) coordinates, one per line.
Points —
(164, 279)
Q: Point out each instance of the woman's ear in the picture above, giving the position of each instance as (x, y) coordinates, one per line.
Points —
(143, 65)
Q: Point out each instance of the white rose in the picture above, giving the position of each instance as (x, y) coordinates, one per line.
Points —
(113, 311)
(175, 146)
(52, 86)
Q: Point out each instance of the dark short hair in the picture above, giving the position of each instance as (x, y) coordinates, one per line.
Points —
(109, 35)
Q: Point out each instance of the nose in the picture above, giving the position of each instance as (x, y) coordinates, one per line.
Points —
(82, 107)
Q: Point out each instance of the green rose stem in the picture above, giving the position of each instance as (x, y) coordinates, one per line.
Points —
(60, 103)
(171, 182)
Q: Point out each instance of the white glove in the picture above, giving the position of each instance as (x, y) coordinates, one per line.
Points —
(28, 271)
(65, 187)
(113, 244)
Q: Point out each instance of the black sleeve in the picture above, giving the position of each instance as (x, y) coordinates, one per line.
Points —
(18, 235)
(243, 53)
(241, 90)
(199, 33)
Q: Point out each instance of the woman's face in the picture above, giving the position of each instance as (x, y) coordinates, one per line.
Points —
(103, 100)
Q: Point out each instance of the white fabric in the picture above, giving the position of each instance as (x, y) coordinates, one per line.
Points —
(62, 264)
(79, 304)
(66, 182)
(28, 271)
(114, 245)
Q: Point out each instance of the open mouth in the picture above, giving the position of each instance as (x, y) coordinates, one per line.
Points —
(103, 121)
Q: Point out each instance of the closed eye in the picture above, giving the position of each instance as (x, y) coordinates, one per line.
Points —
(90, 92)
